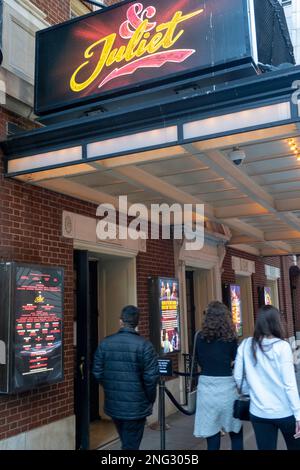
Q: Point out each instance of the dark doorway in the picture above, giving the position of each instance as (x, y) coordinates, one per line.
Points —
(190, 302)
(82, 341)
(86, 321)
(94, 338)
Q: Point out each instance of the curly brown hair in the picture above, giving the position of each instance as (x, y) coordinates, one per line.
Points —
(218, 323)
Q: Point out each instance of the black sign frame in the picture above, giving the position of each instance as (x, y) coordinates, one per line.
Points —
(156, 317)
(232, 63)
(166, 371)
(10, 307)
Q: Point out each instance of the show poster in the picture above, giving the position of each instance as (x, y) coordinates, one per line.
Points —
(169, 314)
(268, 295)
(236, 308)
(38, 326)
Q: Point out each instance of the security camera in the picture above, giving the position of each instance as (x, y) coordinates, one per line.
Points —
(237, 156)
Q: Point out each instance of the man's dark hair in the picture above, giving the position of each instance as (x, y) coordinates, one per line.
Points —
(130, 316)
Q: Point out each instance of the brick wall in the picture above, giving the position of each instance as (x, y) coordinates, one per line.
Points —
(295, 286)
(284, 263)
(57, 10)
(158, 261)
(259, 280)
(112, 2)
(30, 231)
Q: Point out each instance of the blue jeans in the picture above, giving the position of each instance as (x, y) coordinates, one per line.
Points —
(214, 442)
(266, 432)
(130, 432)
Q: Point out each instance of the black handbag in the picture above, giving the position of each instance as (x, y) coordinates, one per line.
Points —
(241, 407)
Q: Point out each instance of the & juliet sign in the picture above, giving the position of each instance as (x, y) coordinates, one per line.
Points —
(142, 48)
(136, 44)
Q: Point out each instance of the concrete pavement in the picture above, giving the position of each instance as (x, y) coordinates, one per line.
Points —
(180, 435)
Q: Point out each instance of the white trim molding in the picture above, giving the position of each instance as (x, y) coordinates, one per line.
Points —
(82, 230)
(242, 266)
(272, 273)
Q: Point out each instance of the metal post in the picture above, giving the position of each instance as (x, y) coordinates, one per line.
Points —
(162, 416)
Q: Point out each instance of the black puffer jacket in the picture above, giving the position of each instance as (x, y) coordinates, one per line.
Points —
(126, 366)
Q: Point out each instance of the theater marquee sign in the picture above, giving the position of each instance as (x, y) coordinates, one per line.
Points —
(136, 44)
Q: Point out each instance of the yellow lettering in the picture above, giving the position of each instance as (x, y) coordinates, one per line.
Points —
(155, 43)
(116, 55)
(170, 27)
(139, 44)
(134, 41)
(89, 53)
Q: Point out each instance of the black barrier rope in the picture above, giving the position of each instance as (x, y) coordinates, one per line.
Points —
(178, 406)
(183, 374)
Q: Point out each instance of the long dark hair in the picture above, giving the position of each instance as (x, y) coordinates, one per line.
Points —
(218, 323)
(268, 323)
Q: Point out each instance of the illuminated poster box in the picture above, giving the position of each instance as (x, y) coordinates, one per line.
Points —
(164, 315)
(236, 308)
(232, 299)
(31, 326)
(268, 296)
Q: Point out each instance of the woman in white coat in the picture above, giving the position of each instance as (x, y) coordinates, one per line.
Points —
(266, 360)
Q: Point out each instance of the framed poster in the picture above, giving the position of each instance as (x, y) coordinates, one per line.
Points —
(165, 315)
(169, 315)
(268, 296)
(33, 333)
(236, 308)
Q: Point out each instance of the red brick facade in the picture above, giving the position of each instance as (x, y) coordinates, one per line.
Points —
(30, 231)
(57, 10)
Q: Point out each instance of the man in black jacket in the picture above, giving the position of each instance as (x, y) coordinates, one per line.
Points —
(126, 366)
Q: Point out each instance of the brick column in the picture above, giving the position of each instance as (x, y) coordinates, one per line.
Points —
(295, 291)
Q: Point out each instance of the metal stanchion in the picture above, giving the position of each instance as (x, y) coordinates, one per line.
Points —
(162, 415)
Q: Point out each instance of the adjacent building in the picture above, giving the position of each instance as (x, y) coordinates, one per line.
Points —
(292, 12)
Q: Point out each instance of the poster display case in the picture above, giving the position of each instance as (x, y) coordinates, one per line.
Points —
(31, 326)
(232, 298)
(268, 296)
(164, 314)
(265, 296)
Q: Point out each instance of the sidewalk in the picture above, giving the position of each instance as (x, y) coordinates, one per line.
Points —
(180, 435)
